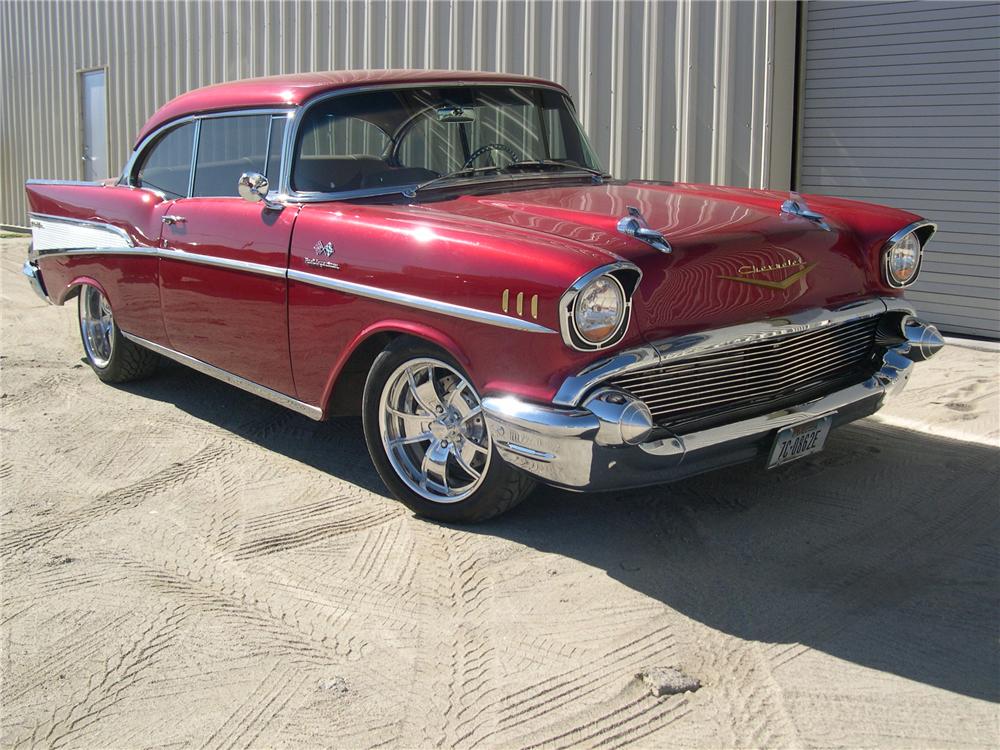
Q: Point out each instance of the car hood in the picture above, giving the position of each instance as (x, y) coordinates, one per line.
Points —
(736, 257)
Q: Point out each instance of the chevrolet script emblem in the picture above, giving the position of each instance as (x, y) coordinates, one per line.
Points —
(746, 274)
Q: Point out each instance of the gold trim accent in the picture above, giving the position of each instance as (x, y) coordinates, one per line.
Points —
(505, 300)
(520, 303)
(780, 285)
(534, 307)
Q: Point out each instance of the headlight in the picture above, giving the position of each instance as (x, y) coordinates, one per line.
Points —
(903, 260)
(902, 254)
(599, 309)
(595, 310)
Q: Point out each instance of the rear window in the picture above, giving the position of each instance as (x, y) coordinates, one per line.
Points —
(166, 166)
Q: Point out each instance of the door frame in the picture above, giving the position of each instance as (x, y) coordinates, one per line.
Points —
(78, 84)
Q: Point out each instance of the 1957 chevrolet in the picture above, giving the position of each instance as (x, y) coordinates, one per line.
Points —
(442, 253)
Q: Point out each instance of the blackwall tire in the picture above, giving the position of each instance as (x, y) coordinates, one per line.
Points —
(428, 439)
(112, 357)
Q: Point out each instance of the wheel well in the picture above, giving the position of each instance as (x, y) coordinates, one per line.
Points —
(348, 391)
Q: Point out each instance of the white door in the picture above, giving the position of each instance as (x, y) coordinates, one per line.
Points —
(902, 107)
(94, 103)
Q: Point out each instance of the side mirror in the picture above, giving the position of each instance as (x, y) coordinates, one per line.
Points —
(253, 187)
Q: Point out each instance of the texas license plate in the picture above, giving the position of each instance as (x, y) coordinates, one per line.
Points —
(799, 440)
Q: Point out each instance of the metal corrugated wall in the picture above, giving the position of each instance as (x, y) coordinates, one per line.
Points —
(902, 107)
(697, 91)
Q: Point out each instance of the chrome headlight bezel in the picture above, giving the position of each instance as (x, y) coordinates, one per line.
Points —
(921, 231)
(626, 276)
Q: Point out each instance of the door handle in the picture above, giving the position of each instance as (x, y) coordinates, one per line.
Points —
(171, 219)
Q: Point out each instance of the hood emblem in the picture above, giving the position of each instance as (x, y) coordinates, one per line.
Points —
(747, 272)
(634, 225)
(796, 206)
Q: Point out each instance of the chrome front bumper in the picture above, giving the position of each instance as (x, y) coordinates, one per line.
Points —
(574, 448)
(30, 270)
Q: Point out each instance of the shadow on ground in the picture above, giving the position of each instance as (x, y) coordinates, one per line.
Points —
(880, 551)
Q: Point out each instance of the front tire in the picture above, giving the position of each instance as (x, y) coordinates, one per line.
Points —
(428, 438)
(112, 357)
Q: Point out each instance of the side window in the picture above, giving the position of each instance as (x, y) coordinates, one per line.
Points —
(166, 166)
(228, 147)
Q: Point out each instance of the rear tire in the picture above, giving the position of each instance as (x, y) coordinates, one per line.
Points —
(429, 440)
(112, 357)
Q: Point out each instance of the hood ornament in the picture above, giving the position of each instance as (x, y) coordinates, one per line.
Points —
(634, 225)
(796, 206)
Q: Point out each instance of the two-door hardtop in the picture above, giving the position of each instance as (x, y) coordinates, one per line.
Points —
(442, 253)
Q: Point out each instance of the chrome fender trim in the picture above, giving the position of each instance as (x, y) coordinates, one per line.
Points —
(313, 412)
(418, 303)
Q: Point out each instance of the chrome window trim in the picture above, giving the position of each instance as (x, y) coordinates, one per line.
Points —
(567, 322)
(419, 303)
(908, 229)
(125, 179)
(299, 114)
(575, 387)
(313, 412)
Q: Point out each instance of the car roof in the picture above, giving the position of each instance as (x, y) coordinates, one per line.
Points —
(295, 90)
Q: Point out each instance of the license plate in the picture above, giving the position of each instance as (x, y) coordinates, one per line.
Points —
(799, 440)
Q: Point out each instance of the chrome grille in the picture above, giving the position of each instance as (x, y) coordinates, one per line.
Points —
(756, 374)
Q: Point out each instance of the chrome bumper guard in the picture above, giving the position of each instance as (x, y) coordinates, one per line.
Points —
(30, 270)
(594, 447)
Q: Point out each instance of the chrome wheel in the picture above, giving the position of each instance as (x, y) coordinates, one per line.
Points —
(433, 431)
(97, 325)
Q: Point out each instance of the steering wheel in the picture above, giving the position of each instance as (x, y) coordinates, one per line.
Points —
(490, 147)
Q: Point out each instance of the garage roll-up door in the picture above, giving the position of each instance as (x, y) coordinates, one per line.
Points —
(902, 107)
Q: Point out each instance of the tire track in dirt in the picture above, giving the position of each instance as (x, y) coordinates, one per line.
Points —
(548, 697)
(104, 691)
(632, 714)
(199, 581)
(113, 502)
(63, 654)
(750, 710)
(457, 656)
(259, 712)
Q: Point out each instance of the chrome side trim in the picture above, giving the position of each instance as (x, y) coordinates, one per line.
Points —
(575, 387)
(884, 253)
(59, 232)
(87, 183)
(361, 290)
(60, 252)
(418, 303)
(313, 412)
(277, 272)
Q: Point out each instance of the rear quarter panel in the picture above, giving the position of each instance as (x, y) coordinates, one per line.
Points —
(130, 282)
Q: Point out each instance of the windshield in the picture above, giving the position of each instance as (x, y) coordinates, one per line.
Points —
(390, 140)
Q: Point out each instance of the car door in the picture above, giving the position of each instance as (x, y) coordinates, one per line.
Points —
(223, 258)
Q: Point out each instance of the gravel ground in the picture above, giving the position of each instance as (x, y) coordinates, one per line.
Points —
(187, 565)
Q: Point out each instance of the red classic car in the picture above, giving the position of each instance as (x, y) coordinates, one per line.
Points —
(442, 253)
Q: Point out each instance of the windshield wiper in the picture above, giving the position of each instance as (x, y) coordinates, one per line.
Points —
(463, 172)
(554, 163)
